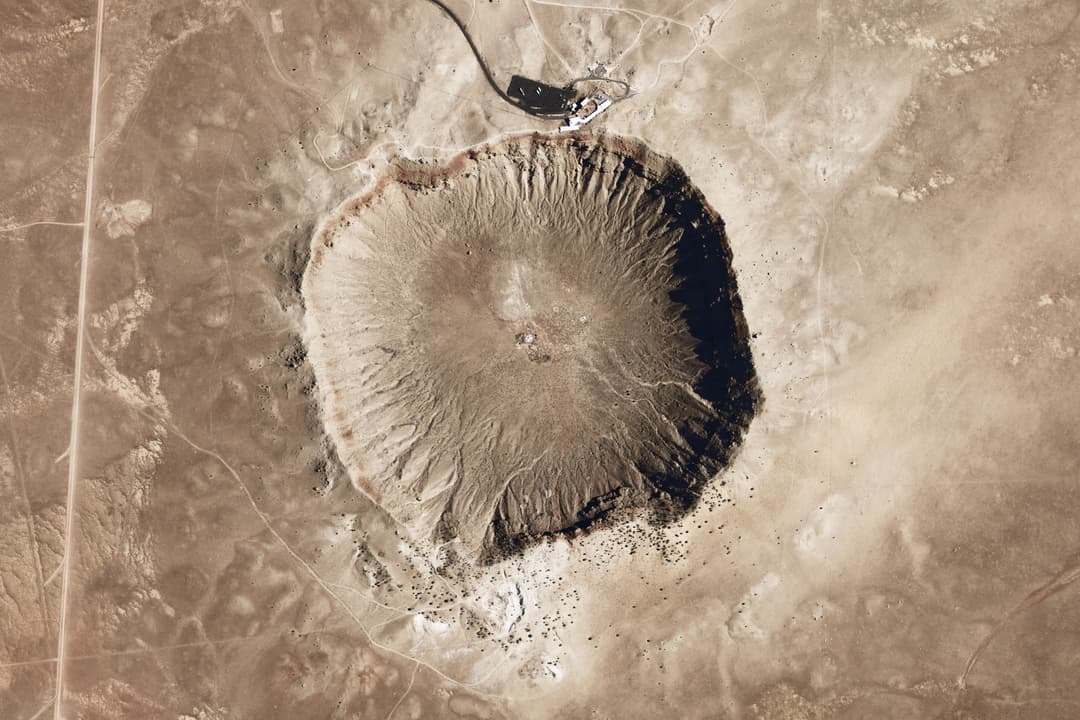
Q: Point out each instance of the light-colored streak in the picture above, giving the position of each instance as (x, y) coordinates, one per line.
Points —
(73, 465)
(42, 711)
(254, 20)
(26, 663)
(634, 43)
(615, 9)
(40, 222)
(1056, 584)
(408, 688)
(543, 38)
(26, 346)
(55, 573)
(318, 579)
(315, 142)
(151, 649)
(20, 475)
(463, 98)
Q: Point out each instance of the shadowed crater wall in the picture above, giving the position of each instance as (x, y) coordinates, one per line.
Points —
(543, 331)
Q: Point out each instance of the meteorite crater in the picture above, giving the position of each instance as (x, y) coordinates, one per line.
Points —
(544, 332)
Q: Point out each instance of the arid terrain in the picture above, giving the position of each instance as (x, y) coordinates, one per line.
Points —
(216, 505)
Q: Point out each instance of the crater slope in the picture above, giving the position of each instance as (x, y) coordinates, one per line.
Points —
(519, 343)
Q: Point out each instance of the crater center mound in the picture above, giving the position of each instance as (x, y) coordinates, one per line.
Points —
(516, 344)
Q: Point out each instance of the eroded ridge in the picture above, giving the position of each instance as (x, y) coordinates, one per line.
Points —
(518, 343)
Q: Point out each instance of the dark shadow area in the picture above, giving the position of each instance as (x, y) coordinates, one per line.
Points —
(708, 293)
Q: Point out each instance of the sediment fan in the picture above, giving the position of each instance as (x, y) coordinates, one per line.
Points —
(517, 343)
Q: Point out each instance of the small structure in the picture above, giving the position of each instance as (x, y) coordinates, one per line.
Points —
(585, 111)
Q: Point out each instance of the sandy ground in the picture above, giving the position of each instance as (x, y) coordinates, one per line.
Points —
(896, 539)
